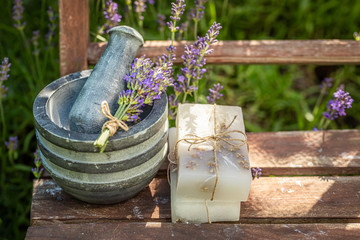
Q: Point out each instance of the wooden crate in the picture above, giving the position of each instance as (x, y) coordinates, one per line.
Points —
(316, 191)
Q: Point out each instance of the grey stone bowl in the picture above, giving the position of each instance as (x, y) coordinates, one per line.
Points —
(129, 162)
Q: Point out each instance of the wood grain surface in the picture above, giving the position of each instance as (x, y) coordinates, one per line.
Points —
(157, 230)
(325, 52)
(271, 200)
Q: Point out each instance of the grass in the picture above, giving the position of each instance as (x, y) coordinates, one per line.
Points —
(273, 97)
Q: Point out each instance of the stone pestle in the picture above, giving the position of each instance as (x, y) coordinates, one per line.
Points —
(106, 81)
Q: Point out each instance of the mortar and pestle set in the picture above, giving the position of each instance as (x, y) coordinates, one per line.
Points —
(68, 120)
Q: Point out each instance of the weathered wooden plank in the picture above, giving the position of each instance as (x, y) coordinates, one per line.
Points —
(258, 51)
(334, 152)
(156, 230)
(74, 35)
(271, 200)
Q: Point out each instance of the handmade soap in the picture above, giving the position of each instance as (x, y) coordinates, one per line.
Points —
(205, 130)
(106, 81)
(193, 210)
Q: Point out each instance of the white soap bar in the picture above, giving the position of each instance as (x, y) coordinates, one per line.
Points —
(192, 210)
(197, 169)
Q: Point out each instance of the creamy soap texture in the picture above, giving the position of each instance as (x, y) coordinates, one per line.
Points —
(197, 169)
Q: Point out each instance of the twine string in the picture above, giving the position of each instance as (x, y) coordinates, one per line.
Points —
(113, 123)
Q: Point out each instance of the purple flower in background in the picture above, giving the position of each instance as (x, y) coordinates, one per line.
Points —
(4, 75)
(12, 144)
(140, 7)
(214, 93)
(326, 84)
(18, 10)
(52, 27)
(112, 18)
(4, 69)
(152, 2)
(336, 106)
(35, 42)
(197, 13)
(177, 10)
(256, 172)
(161, 22)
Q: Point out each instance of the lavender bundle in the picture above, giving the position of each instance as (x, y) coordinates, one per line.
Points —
(145, 83)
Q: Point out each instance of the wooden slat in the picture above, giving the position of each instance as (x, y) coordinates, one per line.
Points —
(271, 200)
(334, 152)
(155, 230)
(330, 52)
(74, 35)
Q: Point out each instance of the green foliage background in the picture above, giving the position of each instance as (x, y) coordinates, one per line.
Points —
(273, 97)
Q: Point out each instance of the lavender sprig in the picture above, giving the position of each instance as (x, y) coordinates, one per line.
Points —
(197, 14)
(35, 42)
(145, 83)
(18, 10)
(112, 18)
(214, 93)
(194, 61)
(12, 145)
(256, 172)
(52, 27)
(4, 75)
(140, 8)
(161, 22)
(336, 106)
(38, 170)
(177, 10)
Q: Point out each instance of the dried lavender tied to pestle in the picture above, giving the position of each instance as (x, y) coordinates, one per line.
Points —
(145, 83)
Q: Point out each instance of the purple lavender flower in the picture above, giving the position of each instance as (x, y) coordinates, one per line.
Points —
(18, 10)
(145, 83)
(177, 11)
(214, 93)
(194, 58)
(336, 106)
(12, 144)
(326, 84)
(152, 2)
(161, 22)
(112, 18)
(140, 8)
(38, 170)
(35, 42)
(197, 13)
(4, 75)
(256, 172)
(52, 27)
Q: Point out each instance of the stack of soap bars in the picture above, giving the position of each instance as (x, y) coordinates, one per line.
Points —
(211, 173)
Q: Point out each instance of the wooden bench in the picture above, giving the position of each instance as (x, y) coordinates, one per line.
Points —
(315, 194)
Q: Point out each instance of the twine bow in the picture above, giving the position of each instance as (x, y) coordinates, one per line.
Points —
(113, 123)
(219, 135)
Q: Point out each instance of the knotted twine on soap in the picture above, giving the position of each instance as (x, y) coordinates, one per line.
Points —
(218, 136)
(113, 124)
